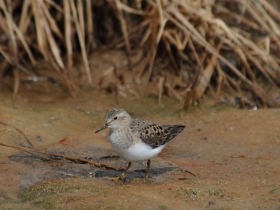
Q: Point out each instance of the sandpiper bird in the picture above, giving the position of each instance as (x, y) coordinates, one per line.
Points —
(137, 139)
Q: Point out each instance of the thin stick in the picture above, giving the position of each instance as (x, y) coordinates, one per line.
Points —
(51, 156)
(19, 132)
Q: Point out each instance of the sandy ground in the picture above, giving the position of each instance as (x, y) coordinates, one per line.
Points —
(235, 155)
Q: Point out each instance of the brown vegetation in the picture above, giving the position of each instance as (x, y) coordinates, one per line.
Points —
(229, 49)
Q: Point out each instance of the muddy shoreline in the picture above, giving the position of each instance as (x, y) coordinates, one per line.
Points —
(235, 155)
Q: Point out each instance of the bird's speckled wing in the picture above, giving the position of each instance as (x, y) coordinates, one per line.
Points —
(153, 134)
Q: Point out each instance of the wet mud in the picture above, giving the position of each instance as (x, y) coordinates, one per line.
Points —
(234, 154)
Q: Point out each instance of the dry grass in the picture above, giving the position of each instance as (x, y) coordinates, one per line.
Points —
(228, 49)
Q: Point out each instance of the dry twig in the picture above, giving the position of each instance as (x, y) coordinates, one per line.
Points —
(25, 137)
(51, 156)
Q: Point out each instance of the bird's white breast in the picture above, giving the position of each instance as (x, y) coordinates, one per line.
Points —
(141, 152)
(132, 148)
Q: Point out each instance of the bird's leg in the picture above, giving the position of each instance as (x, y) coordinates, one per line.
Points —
(123, 174)
(148, 168)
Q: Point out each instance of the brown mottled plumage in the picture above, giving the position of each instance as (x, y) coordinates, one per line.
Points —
(153, 134)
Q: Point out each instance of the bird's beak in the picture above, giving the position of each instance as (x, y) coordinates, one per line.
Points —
(103, 127)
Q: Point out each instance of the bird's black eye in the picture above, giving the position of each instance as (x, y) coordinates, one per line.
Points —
(115, 118)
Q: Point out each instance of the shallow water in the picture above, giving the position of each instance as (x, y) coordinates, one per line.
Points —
(235, 155)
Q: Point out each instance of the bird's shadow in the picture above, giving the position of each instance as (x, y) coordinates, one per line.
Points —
(138, 173)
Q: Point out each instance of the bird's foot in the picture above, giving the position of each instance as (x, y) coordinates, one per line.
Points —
(121, 177)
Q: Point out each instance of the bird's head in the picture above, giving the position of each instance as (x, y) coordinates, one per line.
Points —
(116, 119)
